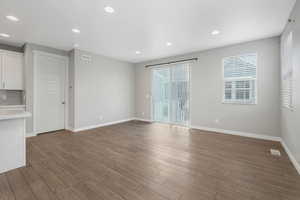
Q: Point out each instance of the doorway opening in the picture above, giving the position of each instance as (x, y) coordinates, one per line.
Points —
(50, 92)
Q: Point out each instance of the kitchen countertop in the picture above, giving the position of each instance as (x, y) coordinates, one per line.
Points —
(11, 106)
(13, 114)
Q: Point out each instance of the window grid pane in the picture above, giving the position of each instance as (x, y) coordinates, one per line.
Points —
(240, 79)
(287, 71)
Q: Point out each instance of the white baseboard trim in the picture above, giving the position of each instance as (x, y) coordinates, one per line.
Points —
(292, 158)
(69, 128)
(32, 134)
(257, 136)
(101, 125)
(238, 133)
(143, 120)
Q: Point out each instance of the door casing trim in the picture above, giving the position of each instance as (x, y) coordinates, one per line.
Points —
(66, 59)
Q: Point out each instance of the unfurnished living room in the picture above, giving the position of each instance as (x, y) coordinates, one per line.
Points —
(149, 100)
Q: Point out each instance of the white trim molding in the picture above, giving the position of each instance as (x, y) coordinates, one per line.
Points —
(215, 130)
(143, 120)
(292, 158)
(37, 53)
(238, 133)
(32, 134)
(102, 125)
(256, 136)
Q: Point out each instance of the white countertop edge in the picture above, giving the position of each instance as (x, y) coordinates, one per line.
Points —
(15, 116)
(11, 106)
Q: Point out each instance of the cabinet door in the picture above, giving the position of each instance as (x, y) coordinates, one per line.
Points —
(1, 74)
(13, 71)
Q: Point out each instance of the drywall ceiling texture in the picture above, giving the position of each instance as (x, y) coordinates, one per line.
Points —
(103, 90)
(206, 90)
(144, 25)
(290, 118)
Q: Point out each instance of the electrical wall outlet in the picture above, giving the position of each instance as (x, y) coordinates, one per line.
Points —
(143, 113)
(217, 121)
(101, 118)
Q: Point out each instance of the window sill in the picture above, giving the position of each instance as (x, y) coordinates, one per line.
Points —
(238, 103)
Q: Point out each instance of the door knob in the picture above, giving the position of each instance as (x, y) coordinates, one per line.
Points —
(63, 102)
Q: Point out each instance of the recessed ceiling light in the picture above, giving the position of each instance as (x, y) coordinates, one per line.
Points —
(169, 44)
(215, 32)
(75, 30)
(76, 45)
(12, 18)
(4, 35)
(138, 52)
(109, 9)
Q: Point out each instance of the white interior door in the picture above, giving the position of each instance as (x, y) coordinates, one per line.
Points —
(49, 101)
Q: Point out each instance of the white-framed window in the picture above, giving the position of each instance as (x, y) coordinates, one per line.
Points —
(240, 79)
(287, 71)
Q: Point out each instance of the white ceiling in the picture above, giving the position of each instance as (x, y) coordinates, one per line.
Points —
(142, 25)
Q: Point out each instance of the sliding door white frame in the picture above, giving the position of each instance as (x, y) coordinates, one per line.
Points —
(188, 97)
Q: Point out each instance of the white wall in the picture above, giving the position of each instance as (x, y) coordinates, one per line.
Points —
(206, 90)
(105, 87)
(291, 119)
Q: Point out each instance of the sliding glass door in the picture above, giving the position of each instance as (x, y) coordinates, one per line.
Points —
(170, 94)
(161, 79)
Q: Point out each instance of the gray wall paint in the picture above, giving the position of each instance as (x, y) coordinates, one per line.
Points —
(104, 87)
(291, 119)
(206, 90)
(71, 119)
(28, 57)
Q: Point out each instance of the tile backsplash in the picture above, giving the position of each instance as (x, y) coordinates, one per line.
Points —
(11, 97)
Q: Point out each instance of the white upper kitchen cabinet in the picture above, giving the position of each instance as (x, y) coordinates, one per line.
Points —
(11, 70)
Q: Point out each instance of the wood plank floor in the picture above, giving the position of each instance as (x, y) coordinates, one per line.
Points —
(143, 161)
